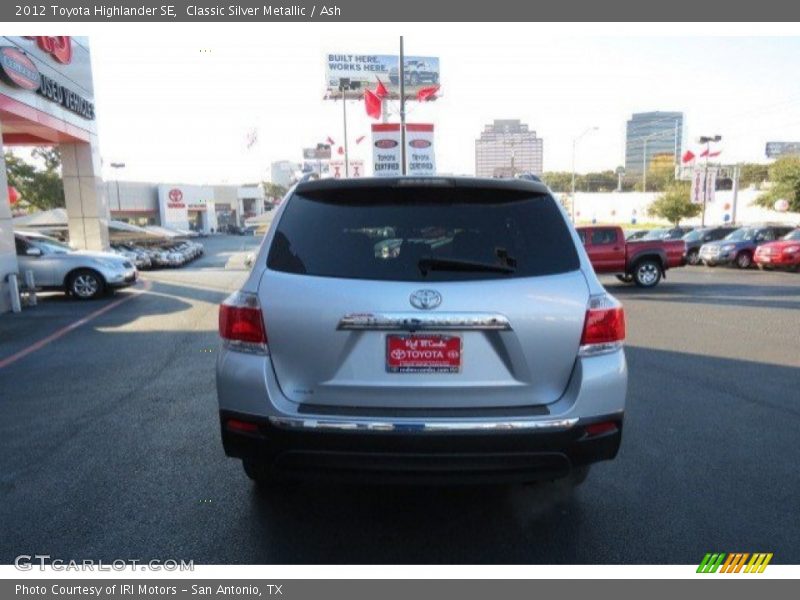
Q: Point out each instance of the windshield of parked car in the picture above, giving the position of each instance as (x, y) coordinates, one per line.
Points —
(792, 235)
(49, 245)
(695, 235)
(655, 234)
(742, 235)
(422, 234)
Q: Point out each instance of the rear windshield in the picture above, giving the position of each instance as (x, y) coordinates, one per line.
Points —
(422, 234)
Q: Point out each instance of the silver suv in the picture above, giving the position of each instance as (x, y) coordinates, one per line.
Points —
(422, 329)
(83, 274)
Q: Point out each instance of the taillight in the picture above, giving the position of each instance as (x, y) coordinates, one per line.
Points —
(603, 327)
(241, 325)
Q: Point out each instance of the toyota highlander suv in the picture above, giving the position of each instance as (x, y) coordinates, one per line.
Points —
(422, 329)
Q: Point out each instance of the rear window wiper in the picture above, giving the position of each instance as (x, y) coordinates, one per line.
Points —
(427, 264)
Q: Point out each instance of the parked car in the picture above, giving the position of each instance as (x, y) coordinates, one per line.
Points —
(138, 256)
(485, 348)
(784, 253)
(643, 262)
(702, 235)
(739, 246)
(81, 273)
(635, 234)
(674, 233)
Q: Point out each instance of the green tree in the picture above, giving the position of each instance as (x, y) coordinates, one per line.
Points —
(558, 181)
(784, 177)
(602, 181)
(674, 204)
(273, 190)
(660, 173)
(753, 173)
(41, 188)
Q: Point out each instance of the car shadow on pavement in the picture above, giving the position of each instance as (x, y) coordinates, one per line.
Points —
(693, 456)
(717, 294)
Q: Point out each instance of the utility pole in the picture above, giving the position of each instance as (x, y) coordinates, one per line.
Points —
(118, 165)
(344, 85)
(706, 139)
(402, 71)
(737, 170)
(574, 147)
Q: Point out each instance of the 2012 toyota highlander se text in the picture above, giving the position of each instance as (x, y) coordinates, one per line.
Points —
(425, 330)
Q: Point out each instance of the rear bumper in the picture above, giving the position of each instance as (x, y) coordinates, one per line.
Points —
(409, 453)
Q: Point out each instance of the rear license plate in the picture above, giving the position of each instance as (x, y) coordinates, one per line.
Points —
(423, 353)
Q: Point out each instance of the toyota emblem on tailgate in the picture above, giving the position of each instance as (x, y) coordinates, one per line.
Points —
(425, 299)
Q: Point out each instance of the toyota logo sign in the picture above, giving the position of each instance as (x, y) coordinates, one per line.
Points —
(175, 195)
(425, 299)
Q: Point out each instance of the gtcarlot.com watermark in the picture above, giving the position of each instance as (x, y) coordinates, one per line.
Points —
(28, 562)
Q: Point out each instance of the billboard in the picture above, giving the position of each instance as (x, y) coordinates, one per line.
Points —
(321, 152)
(337, 168)
(387, 151)
(367, 69)
(778, 149)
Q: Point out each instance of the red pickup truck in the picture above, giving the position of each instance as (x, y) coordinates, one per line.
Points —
(643, 262)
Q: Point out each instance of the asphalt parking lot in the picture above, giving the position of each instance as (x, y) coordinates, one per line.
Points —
(109, 441)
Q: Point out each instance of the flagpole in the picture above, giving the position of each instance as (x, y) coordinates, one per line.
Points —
(402, 109)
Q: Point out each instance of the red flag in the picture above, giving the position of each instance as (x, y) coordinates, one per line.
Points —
(329, 139)
(360, 139)
(713, 154)
(340, 150)
(373, 104)
(381, 91)
(688, 156)
(704, 153)
(427, 93)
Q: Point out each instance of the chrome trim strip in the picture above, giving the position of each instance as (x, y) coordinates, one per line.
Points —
(411, 426)
(415, 321)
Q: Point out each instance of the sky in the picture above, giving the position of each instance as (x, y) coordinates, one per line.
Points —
(176, 103)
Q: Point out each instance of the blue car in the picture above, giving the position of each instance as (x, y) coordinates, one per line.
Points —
(739, 246)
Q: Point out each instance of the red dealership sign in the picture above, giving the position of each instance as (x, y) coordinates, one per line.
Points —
(57, 46)
(175, 195)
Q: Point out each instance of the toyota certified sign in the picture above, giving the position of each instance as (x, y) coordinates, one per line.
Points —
(175, 195)
(420, 143)
(385, 144)
(18, 69)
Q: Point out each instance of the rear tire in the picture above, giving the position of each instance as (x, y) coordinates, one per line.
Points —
(86, 284)
(744, 260)
(693, 258)
(647, 273)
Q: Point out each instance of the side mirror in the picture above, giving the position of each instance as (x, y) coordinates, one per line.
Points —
(33, 252)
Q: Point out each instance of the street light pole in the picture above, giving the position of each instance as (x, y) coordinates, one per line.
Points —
(344, 85)
(402, 72)
(574, 147)
(118, 165)
(706, 139)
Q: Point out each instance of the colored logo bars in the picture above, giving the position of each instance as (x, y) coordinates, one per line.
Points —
(734, 562)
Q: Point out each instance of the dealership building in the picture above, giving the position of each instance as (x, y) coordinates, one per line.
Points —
(204, 208)
(47, 99)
